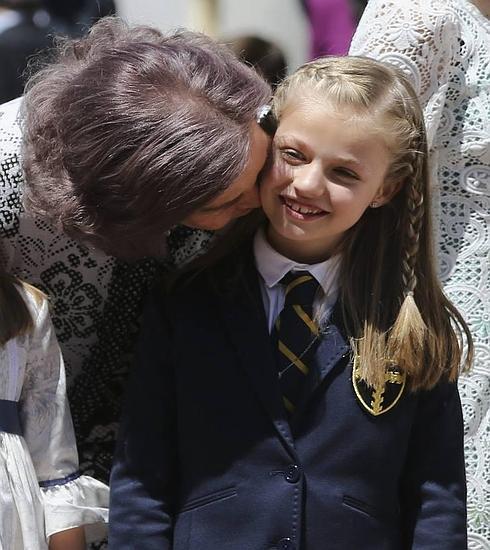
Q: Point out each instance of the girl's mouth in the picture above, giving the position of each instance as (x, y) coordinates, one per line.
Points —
(300, 211)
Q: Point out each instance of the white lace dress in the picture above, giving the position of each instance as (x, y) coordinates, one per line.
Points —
(41, 491)
(444, 47)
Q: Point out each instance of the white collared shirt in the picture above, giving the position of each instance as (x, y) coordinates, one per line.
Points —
(273, 266)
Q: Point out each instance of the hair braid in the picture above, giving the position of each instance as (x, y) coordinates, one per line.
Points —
(416, 209)
(407, 337)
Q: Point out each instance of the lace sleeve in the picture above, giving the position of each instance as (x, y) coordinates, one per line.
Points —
(419, 37)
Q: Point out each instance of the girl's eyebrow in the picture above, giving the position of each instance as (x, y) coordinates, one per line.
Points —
(349, 160)
(287, 137)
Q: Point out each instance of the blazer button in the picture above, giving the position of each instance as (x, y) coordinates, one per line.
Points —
(293, 473)
(285, 544)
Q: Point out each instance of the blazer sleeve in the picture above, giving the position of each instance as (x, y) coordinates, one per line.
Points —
(434, 486)
(144, 472)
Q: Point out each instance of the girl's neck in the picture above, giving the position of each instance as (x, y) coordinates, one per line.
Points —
(304, 252)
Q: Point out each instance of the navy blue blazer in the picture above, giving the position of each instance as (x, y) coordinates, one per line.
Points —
(208, 460)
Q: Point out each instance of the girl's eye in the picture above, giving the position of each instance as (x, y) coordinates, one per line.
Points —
(345, 173)
(291, 155)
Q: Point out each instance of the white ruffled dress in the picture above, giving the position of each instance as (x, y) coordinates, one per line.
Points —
(41, 491)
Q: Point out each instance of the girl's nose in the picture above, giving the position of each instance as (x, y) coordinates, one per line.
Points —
(309, 181)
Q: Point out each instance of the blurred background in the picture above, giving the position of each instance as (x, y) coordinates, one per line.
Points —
(280, 21)
(274, 35)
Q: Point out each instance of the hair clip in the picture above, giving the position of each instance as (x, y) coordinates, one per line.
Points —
(266, 120)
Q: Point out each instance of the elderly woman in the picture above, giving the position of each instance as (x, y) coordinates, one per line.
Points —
(125, 139)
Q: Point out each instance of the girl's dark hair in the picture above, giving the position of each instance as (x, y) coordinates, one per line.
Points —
(127, 131)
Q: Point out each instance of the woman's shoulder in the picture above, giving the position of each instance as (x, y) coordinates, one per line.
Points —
(405, 25)
(10, 111)
(439, 7)
(10, 128)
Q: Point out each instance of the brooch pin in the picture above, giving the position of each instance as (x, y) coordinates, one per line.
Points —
(382, 398)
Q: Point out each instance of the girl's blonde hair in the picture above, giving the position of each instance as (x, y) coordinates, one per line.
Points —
(392, 302)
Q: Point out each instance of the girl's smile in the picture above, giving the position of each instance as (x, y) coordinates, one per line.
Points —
(327, 169)
(299, 210)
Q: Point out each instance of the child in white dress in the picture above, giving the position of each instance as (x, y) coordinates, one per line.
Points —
(44, 502)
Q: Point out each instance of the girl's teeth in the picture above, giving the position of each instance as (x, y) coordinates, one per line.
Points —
(302, 209)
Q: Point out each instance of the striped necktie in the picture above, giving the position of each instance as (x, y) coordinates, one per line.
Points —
(296, 334)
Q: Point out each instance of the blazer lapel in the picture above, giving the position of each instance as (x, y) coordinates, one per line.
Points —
(245, 320)
(332, 348)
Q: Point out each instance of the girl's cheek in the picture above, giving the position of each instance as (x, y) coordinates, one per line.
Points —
(281, 171)
(340, 193)
(279, 174)
(266, 189)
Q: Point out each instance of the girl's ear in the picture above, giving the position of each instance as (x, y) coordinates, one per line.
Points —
(386, 192)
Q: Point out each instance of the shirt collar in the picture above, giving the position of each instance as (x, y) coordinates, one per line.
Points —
(272, 265)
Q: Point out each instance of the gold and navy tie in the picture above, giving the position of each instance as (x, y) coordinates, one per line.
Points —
(296, 334)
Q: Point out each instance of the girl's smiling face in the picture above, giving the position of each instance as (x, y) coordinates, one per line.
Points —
(327, 168)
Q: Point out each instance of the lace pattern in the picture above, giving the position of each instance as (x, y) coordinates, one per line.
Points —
(444, 48)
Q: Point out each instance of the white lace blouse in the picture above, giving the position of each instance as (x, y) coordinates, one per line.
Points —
(444, 48)
(41, 490)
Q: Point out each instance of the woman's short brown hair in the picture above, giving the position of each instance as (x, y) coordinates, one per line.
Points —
(127, 131)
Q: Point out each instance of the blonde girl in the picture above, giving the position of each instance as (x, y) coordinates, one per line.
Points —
(44, 501)
(300, 393)
(396, 311)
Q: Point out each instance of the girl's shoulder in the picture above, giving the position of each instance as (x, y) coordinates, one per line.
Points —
(28, 310)
(202, 288)
(35, 299)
